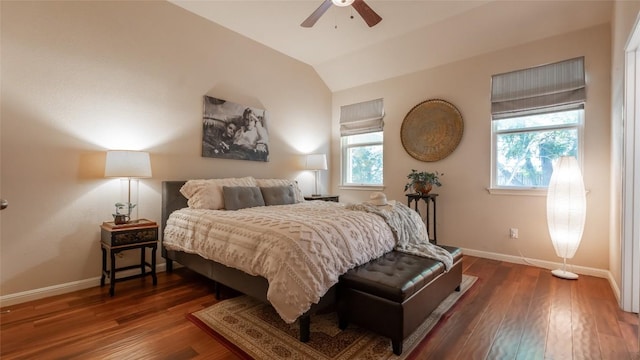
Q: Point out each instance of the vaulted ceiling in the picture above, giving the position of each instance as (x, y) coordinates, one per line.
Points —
(413, 35)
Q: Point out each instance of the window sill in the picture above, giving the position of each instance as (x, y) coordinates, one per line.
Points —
(362, 187)
(522, 192)
(518, 192)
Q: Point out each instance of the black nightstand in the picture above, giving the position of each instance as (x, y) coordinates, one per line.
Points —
(333, 198)
(137, 234)
(427, 198)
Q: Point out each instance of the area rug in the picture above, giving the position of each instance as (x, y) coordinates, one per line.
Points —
(253, 330)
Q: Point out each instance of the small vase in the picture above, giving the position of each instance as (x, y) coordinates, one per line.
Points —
(422, 188)
(120, 219)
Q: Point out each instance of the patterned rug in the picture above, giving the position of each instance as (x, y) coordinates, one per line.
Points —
(253, 330)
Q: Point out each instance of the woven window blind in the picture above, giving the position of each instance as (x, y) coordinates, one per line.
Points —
(361, 118)
(534, 90)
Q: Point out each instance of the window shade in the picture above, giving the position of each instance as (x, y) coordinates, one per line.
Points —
(361, 118)
(530, 91)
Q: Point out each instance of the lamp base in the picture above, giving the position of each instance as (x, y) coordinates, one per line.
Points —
(564, 274)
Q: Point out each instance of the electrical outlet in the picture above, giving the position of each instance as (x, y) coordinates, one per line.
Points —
(513, 233)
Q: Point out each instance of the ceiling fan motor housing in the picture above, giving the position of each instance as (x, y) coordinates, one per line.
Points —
(367, 13)
(342, 2)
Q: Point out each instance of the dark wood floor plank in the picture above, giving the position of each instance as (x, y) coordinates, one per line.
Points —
(449, 340)
(585, 334)
(630, 335)
(513, 311)
(481, 340)
(512, 329)
(559, 343)
(533, 342)
(614, 348)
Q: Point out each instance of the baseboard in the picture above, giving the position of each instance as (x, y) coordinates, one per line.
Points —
(41, 293)
(581, 270)
(36, 294)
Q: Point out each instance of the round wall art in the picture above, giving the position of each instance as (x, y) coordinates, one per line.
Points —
(431, 130)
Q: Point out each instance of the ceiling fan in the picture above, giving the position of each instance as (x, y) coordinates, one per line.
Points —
(369, 16)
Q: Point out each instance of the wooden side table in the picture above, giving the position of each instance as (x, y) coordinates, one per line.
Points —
(334, 198)
(138, 234)
(428, 198)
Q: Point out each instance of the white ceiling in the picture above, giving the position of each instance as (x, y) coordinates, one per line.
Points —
(413, 35)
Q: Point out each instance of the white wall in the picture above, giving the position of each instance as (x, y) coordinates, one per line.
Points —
(624, 16)
(79, 78)
(468, 216)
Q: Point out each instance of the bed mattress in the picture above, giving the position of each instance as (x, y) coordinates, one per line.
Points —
(301, 249)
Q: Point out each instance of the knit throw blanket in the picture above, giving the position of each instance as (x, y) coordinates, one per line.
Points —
(409, 230)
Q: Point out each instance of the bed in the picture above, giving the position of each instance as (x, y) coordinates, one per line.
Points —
(248, 281)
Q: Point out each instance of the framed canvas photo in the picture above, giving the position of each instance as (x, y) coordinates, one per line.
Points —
(234, 131)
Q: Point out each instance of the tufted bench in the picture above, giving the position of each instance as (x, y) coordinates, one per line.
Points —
(393, 294)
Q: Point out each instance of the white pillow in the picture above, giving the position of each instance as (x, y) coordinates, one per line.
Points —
(282, 182)
(207, 193)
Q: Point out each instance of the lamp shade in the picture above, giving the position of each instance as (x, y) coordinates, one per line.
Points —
(316, 162)
(127, 164)
(566, 207)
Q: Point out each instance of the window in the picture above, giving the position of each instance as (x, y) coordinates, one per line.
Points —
(362, 159)
(526, 146)
(362, 143)
(537, 116)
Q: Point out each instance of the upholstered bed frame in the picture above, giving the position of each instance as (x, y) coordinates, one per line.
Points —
(254, 286)
(367, 294)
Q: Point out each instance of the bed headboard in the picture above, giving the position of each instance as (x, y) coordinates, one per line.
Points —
(172, 199)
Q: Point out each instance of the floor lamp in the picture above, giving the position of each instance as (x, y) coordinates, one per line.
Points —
(566, 211)
(127, 165)
(316, 162)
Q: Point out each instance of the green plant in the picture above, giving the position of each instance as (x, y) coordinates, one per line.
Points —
(422, 178)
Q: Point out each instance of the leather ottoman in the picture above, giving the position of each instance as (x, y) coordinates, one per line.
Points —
(394, 294)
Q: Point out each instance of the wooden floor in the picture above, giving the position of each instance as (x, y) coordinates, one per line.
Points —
(512, 312)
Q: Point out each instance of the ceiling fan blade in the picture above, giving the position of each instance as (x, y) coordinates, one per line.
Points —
(311, 20)
(367, 13)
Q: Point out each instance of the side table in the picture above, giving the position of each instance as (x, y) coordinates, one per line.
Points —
(334, 198)
(427, 198)
(137, 234)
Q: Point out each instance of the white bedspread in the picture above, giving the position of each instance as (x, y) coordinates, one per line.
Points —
(411, 233)
(301, 249)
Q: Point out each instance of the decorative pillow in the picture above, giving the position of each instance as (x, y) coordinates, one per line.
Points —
(240, 197)
(282, 182)
(278, 195)
(207, 193)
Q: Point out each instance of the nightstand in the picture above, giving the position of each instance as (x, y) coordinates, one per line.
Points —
(137, 234)
(333, 198)
(430, 217)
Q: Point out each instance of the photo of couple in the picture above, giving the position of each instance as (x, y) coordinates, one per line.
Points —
(234, 131)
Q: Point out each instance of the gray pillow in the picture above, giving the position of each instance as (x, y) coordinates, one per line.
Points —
(240, 197)
(278, 195)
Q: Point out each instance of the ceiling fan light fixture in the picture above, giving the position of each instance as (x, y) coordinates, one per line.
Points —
(367, 13)
(342, 2)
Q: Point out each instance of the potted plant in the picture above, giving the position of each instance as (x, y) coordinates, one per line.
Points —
(423, 181)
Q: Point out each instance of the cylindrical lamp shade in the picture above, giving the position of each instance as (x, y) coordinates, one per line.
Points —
(316, 162)
(566, 207)
(127, 164)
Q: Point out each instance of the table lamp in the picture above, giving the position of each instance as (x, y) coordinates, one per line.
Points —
(316, 162)
(127, 165)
